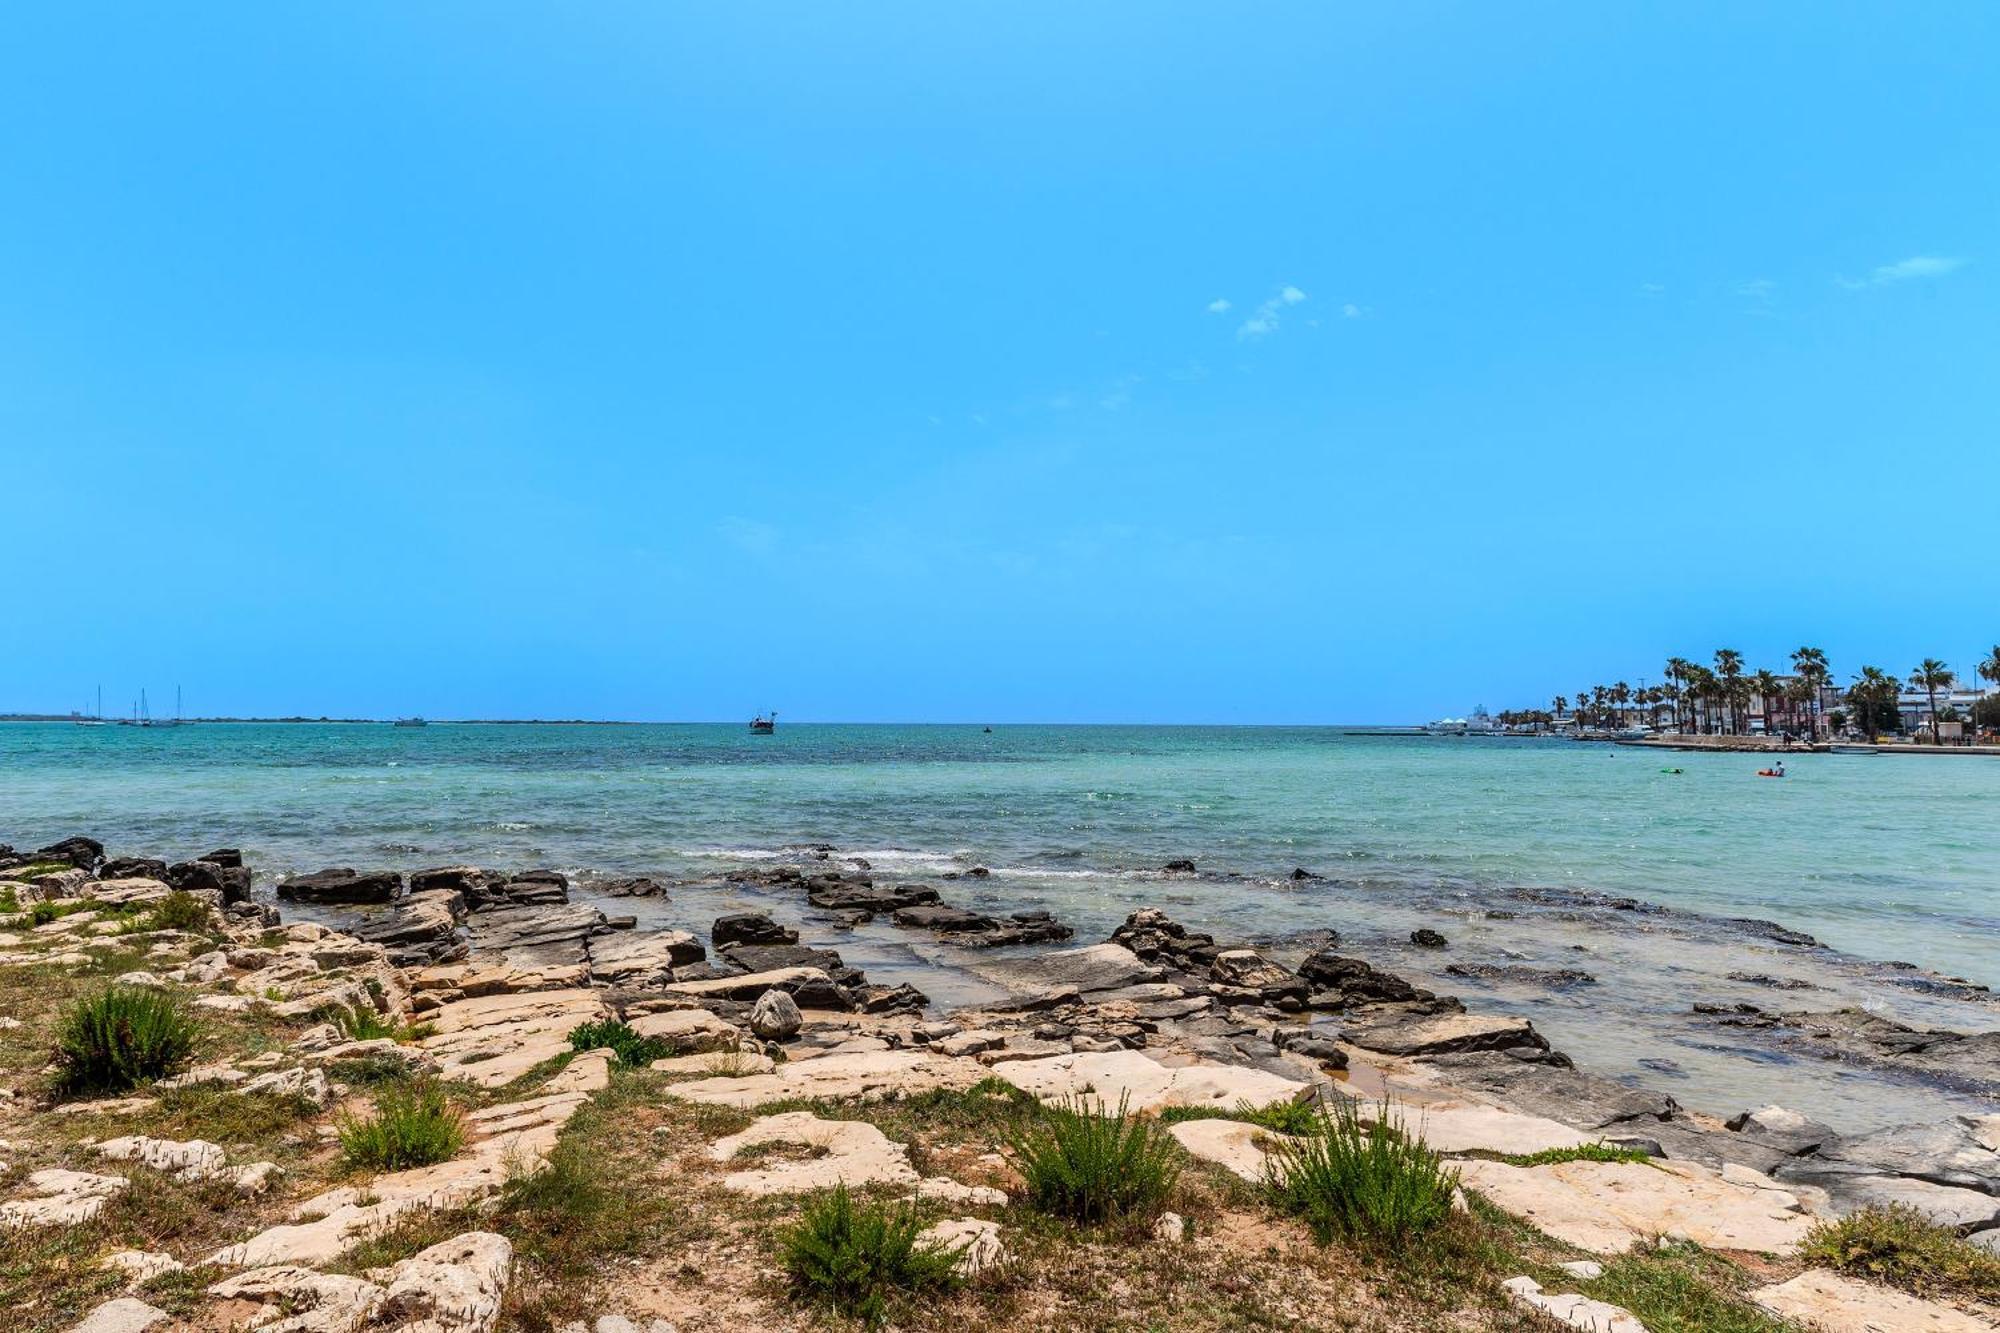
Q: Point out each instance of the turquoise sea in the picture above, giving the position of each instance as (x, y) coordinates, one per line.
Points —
(1501, 844)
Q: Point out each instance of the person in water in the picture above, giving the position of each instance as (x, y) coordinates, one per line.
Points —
(1779, 769)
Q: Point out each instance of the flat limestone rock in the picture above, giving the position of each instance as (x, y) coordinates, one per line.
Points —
(811, 987)
(124, 1315)
(494, 1039)
(1144, 1083)
(1459, 1127)
(1831, 1303)
(1607, 1207)
(323, 1302)
(195, 1159)
(690, 1030)
(735, 1064)
(1849, 1188)
(1441, 1034)
(59, 1198)
(1231, 1144)
(1579, 1312)
(975, 1240)
(455, 1286)
(851, 1152)
(862, 1075)
(511, 1137)
(637, 959)
(1096, 967)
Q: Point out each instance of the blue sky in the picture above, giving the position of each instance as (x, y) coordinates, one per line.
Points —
(988, 361)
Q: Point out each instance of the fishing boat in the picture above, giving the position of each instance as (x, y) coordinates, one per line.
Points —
(411, 722)
(763, 724)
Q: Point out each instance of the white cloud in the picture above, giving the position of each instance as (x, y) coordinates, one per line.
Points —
(1350, 311)
(1903, 270)
(1652, 289)
(1265, 321)
(1757, 289)
(1219, 306)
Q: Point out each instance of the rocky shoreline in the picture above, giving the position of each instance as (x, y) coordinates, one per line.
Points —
(502, 966)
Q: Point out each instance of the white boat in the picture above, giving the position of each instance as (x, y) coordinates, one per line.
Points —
(1852, 749)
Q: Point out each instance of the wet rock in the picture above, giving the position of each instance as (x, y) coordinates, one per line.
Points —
(1426, 938)
(465, 881)
(903, 998)
(1096, 967)
(776, 1016)
(771, 957)
(529, 888)
(1325, 1050)
(1964, 1062)
(634, 886)
(1183, 866)
(1301, 873)
(1549, 978)
(1250, 970)
(866, 900)
(750, 928)
(342, 885)
(1396, 1032)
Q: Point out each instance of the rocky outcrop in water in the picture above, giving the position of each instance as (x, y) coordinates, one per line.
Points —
(1963, 1062)
(344, 886)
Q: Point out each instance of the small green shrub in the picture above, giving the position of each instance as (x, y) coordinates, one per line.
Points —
(179, 910)
(121, 1036)
(1093, 1167)
(414, 1124)
(360, 1023)
(1278, 1117)
(1901, 1247)
(42, 913)
(1585, 1152)
(1364, 1182)
(856, 1258)
(632, 1050)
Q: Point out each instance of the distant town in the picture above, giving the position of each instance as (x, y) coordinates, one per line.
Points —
(1931, 704)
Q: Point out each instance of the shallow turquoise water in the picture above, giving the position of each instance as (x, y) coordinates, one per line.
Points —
(1882, 858)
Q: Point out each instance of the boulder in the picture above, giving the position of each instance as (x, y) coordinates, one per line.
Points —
(771, 957)
(776, 1016)
(83, 853)
(1341, 983)
(1157, 937)
(750, 928)
(342, 885)
(1426, 938)
(633, 886)
(133, 867)
(546, 932)
(974, 1240)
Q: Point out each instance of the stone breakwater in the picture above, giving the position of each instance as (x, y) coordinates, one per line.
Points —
(483, 975)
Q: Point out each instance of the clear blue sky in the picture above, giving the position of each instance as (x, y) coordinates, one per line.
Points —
(1013, 361)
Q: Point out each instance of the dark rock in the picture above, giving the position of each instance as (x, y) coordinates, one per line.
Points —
(977, 872)
(1157, 937)
(467, 881)
(1558, 978)
(1425, 937)
(867, 899)
(750, 928)
(229, 858)
(194, 877)
(554, 932)
(890, 999)
(1587, 1101)
(1954, 1152)
(944, 920)
(342, 885)
(1341, 983)
(1179, 867)
(1414, 1030)
(1300, 872)
(83, 853)
(771, 957)
(1771, 930)
(423, 930)
(709, 971)
(1850, 1188)
(1313, 1046)
(635, 886)
(1775, 983)
(133, 867)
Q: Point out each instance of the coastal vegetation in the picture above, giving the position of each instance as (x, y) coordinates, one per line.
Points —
(1091, 1166)
(1897, 1245)
(414, 1124)
(855, 1257)
(122, 1036)
(626, 1046)
(1367, 1181)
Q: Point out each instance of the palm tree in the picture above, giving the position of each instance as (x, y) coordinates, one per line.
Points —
(1811, 665)
(1989, 669)
(1561, 703)
(1621, 694)
(1931, 676)
(1802, 694)
(1729, 668)
(1678, 669)
(1872, 689)
(1767, 689)
(1701, 697)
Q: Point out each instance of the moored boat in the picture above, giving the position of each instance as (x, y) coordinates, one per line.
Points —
(764, 724)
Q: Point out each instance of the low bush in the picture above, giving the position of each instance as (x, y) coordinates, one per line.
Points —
(632, 1050)
(1093, 1167)
(857, 1258)
(414, 1124)
(179, 910)
(118, 1037)
(1585, 1152)
(1361, 1181)
(1899, 1246)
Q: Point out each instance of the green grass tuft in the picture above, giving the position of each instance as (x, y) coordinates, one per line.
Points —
(858, 1257)
(1899, 1246)
(1371, 1182)
(121, 1036)
(179, 910)
(1093, 1167)
(414, 1124)
(1278, 1117)
(633, 1051)
(1587, 1152)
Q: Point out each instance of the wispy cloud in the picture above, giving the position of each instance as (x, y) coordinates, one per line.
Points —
(1652, 289)
(1265, 321)
(1757, 289)
(1351, 311)
(1219, 306)
(1904, 270)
